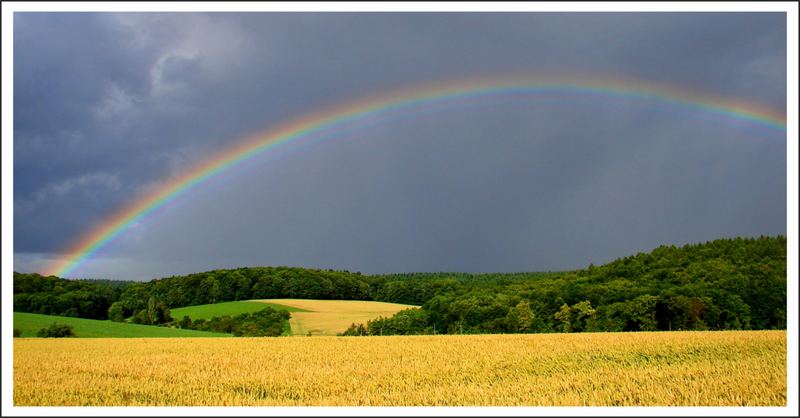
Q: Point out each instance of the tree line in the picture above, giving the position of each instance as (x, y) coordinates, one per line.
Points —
(737, 283)
(724, 284)
(55, 296)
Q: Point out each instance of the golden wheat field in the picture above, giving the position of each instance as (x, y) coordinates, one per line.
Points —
(331, 317)
(668, 368)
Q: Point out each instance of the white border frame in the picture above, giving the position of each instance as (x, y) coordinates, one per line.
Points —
(6, 267)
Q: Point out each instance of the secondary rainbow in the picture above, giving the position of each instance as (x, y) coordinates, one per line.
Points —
(423, 97)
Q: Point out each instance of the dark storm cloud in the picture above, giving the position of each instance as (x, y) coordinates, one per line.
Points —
(110, 105)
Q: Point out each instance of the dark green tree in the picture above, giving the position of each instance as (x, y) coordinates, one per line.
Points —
(116, 312)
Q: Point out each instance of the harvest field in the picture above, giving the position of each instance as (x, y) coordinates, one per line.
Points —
(330, 317)
(735, 368)
(30, 324)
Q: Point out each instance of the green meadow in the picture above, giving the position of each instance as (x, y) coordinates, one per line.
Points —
(228, 308)
(30, 324)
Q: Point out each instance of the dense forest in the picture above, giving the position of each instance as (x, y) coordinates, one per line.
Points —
(54, 296)
(737, 283)
(725, 284)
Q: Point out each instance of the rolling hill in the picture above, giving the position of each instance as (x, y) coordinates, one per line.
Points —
(330, 317)
(30, 323)
(211, 310)
(309, 316)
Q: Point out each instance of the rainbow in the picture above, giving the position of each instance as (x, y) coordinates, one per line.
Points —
(412, 101)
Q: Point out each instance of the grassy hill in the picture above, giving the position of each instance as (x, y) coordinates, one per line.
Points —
(30, 323)
(211, 310)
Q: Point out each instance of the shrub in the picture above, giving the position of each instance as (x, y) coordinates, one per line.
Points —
(17, 333)
(56, 331)
(142, 318)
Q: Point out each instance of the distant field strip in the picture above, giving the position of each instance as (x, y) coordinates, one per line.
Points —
(734, 368)
(329, 317)
(226, 308)
(30, 323)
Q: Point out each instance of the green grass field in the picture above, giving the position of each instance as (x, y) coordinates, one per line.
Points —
(30, 323)
(227, 308)
(308, 317)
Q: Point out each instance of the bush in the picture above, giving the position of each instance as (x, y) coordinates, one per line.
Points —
(267, 322)
(142, 318)
(116, 312)
(17, 333)
(56, 331)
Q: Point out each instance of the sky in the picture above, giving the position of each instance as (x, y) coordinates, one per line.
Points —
(108, 106)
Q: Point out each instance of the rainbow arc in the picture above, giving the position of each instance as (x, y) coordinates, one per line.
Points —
(407, 100)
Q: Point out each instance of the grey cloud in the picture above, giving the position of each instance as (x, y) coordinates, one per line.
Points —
(527, 186)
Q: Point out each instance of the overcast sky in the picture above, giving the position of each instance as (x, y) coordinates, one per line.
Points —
(108, 106)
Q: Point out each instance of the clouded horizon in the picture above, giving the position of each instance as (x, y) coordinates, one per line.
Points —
(109, 106)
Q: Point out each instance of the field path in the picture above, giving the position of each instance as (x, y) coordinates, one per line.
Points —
(329, 317)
